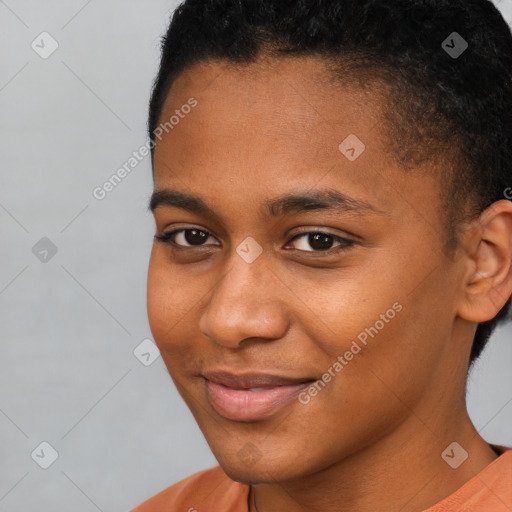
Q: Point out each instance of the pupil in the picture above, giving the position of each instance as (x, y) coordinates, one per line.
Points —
(195, 236)
(320, 241)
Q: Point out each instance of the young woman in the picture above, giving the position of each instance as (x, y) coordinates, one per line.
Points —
(333, 249)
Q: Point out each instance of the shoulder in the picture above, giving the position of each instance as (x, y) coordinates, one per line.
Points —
(489, 490)
(210, 489)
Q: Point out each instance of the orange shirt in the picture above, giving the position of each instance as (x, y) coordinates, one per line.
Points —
(211, 490)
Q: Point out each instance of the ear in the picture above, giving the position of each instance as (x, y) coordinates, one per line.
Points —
(487, 283)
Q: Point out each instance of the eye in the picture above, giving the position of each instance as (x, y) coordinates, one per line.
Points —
(310, 241)
(321, 241)
(189, 237)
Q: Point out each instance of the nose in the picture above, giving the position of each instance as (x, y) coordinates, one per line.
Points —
(248, 302)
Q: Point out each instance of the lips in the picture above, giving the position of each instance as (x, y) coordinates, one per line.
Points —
(251, 397)
(253, 380)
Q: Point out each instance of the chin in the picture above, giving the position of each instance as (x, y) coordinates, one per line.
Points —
(265, 470)
(253, 475)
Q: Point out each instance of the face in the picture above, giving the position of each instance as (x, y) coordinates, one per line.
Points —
(297, 290)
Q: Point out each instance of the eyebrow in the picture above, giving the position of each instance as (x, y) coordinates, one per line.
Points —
(297, 202)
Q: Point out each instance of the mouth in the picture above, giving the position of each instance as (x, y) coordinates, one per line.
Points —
(251, 397)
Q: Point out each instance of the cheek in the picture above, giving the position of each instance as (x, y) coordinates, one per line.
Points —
(175, 300)
(347, 306)
(169, 317)
(158, 298)
(390, 339)
(169, 299)
(402, 348)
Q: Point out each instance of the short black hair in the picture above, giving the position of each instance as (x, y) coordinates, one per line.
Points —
(457, 107)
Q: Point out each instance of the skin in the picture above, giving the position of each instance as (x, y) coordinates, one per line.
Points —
(372, 439)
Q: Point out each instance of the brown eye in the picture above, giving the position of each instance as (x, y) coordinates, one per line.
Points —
(190, 237)
(320, 241)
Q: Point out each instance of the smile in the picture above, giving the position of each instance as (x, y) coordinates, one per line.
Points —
(250, 398)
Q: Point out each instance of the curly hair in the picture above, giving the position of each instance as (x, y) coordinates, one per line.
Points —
(454, 107)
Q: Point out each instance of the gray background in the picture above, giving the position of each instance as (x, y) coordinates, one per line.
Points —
(70, 323)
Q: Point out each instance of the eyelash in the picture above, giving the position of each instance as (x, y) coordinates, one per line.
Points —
(345, 243)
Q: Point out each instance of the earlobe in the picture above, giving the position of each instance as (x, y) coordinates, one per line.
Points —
(488, 281)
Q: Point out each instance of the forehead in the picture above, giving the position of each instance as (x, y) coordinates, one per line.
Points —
(271, 124)
(291, 94)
